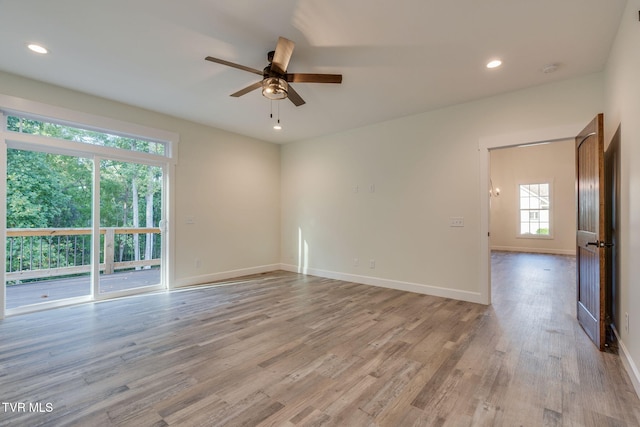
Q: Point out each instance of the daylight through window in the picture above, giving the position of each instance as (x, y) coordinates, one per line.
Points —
(535, 210)
(73, 133)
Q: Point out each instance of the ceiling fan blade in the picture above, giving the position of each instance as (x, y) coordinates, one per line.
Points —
(313, 78)
(247, 89)
(282, 55)
(294, 97)
(231, 64)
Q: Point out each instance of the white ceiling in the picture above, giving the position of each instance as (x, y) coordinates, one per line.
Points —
(397, 58)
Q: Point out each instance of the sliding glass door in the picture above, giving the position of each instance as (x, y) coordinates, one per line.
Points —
(130, 219)
(50, 227)
(84, 210)
(48, 243)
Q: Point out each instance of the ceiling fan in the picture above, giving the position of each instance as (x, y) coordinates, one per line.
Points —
(275, 79)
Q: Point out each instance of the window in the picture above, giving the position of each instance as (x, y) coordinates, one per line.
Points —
(50, 128)
(535, 210)
(98, 213)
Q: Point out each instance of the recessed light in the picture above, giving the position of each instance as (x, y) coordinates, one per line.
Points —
(494, 64)
(37, 48)
(277, 127)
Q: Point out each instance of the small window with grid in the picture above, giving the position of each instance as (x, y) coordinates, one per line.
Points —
(535, 210)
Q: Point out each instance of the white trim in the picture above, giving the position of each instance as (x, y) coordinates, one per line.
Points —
(66, 302)
(45, 144)
(169, 212)
(98, 123)
(534, 237)
(551, 134)
(224, 275)
(3, 219)
(628, 363)
(365, 280)
(391, 284)
(534, 136)
(141, 290)
(95, 232)
(534, 250)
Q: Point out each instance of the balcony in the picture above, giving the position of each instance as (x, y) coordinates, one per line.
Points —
(45, 264)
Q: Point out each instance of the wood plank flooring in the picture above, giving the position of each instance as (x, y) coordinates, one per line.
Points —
(282, 349)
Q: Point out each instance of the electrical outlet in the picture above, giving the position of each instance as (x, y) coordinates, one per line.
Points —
(356, 261)
(198, 263)
(372, 263)
(456, 221)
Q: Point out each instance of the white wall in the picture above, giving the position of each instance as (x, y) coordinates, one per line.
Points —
(425, 169)
(623, 110)
(553, 163)
(229, 184)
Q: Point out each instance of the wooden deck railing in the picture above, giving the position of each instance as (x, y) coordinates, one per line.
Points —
(34, 253)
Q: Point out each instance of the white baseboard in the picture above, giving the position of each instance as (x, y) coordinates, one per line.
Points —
(534, 250)
(225, 275)
(392, 284)
(628, 363)
(419, 288)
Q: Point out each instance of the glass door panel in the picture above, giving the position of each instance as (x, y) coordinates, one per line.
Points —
(48, 243)
(130, 214)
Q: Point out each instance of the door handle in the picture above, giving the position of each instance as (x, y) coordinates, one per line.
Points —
(599, 244)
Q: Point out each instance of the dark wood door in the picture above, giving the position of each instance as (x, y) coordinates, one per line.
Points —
(590, 250)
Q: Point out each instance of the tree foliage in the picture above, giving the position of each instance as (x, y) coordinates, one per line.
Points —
(47, 190)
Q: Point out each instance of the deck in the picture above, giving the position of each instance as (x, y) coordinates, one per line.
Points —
(58, 289)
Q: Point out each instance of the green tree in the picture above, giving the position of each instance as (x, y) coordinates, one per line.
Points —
(54, 191)
(35, 192)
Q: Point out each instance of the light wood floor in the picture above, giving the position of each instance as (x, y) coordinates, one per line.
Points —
(283, 349)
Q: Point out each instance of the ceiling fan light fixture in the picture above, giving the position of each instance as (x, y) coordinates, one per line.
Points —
(275, 88)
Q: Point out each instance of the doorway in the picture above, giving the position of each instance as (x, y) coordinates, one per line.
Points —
(485, 145)
(532, 198)
(543, 136)
(84, 214)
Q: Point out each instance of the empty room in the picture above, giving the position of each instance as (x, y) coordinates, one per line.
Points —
(313, 212)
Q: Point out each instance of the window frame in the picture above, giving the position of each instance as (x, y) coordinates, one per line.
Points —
(81, 127)
(10, 105)
(519, 210)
